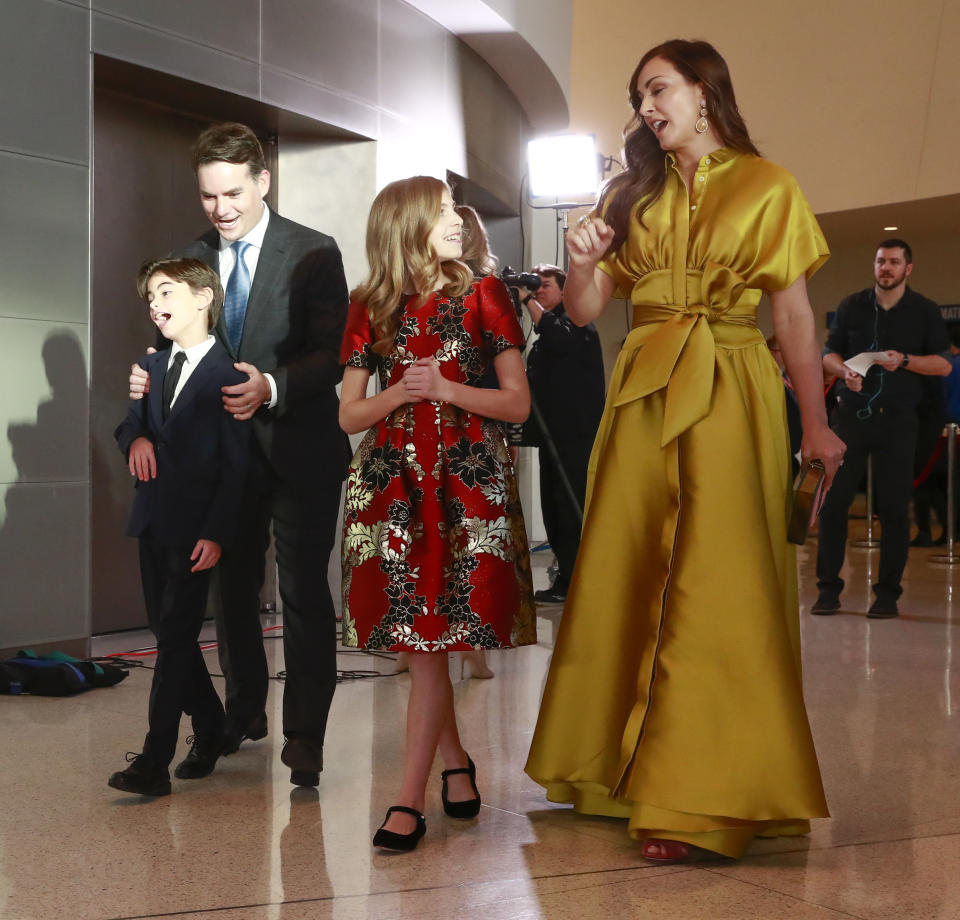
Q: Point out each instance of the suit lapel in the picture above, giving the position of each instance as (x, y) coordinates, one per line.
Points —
(195, 381)
(272, 257)
(158, 371)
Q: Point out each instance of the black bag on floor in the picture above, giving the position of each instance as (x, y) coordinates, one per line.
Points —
(56, 674)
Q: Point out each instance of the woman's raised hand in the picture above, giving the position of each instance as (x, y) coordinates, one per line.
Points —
(588, 241)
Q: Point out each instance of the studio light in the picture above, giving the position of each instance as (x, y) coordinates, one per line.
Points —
(563, 165)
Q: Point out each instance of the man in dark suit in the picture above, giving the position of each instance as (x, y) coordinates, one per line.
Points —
(565, 370)
(190, 459)
(284, 313)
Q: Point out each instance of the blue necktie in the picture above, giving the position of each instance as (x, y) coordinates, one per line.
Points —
(236, 295)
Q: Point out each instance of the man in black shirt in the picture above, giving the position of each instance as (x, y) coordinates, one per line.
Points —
(565, 371)
(876, 416)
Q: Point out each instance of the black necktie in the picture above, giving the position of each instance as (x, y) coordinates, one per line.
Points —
(171, 380)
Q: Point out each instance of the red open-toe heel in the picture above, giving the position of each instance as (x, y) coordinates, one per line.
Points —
(666, 851)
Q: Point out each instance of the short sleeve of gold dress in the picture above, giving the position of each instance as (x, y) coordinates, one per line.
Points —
(435, 551)
(674, 697)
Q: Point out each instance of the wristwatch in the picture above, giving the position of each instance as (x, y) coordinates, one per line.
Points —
(906, 360)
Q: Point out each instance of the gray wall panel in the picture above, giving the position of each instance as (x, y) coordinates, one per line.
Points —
(233, 27)
(44, 427)
(333, 42)
(495, 128)
(44, 66)
(167, 53)
(412, 61)
(44, 270)
(43, 536)
(298, 95)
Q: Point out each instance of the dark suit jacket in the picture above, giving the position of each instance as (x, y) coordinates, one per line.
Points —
(293, 330)
(202, 454)
(565, 373)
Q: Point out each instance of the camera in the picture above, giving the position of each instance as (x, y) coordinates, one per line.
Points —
(527, 280)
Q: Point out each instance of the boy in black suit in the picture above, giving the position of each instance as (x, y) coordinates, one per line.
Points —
(190, 460)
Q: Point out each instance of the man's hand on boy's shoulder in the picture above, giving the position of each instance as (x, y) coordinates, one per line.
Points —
(205, 554)
(243, 399)
(140, 379)
(142, 460)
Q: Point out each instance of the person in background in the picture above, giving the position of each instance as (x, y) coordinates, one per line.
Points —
(877, 417)
(794, 427)
(565, 369)
(931, 493)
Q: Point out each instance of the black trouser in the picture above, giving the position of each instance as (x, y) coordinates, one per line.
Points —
(560, 517)
(176, 601)
(931, 494)
(304, 516)
(889, 436)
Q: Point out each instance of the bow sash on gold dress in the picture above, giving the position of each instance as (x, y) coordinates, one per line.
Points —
(674, 697)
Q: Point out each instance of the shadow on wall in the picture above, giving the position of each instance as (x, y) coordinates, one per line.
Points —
(43, 537)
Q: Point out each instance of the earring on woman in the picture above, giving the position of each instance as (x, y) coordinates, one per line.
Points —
(702, 124)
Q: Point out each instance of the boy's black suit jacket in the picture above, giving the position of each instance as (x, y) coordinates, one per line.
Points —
(293, 330)
(202, 454)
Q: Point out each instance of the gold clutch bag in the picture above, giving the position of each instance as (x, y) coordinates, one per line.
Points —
(808, 496)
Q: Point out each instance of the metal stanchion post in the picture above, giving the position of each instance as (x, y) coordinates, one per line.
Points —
(949, 558)
(869, 542)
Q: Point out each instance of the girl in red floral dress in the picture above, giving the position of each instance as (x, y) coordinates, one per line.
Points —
(434, 547)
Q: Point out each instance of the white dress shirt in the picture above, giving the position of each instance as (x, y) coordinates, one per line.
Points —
(194, 355)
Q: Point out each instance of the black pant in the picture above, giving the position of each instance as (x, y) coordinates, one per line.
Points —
(304, 516)
(889, 436)
(560, 517)
(176, 601)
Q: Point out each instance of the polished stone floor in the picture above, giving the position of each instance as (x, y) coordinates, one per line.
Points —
(884, 701)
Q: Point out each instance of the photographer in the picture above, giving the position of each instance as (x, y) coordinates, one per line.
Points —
(565, 373)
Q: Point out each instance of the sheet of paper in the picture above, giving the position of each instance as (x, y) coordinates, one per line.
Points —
(862, 362)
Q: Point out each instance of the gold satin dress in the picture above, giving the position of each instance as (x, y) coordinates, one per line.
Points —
(674, 697)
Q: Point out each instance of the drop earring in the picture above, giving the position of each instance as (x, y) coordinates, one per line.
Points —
(702, 124)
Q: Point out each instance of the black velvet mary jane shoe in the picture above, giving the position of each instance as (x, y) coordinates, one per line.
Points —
(469, 808)
(390, 840)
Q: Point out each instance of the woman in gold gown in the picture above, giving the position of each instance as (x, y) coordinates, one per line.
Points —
(674, 697)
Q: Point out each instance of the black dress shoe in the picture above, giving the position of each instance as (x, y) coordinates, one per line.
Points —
(389, 840)
(142, 777)
(305, 760)
(256, 730)
(549, 596)
(467, 808)
(883, 608)
(923, 538)
(826, 604)
(204, 753)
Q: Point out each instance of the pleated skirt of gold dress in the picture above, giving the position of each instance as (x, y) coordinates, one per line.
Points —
(675, 697)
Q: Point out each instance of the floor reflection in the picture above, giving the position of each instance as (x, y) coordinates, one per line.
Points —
(245, 845)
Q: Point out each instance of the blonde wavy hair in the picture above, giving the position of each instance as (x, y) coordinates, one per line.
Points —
(476, 243)
(400, 256)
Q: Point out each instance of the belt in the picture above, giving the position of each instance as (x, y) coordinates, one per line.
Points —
(673, 346)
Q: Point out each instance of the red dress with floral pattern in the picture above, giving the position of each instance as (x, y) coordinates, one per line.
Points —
(434, 546)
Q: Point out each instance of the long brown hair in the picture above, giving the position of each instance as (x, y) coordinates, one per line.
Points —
(400, 256)
(476, 243)
(644, 176)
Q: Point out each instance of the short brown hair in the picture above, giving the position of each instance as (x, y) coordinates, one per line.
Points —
(192, 272)
(551, 271)
(230, 142)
